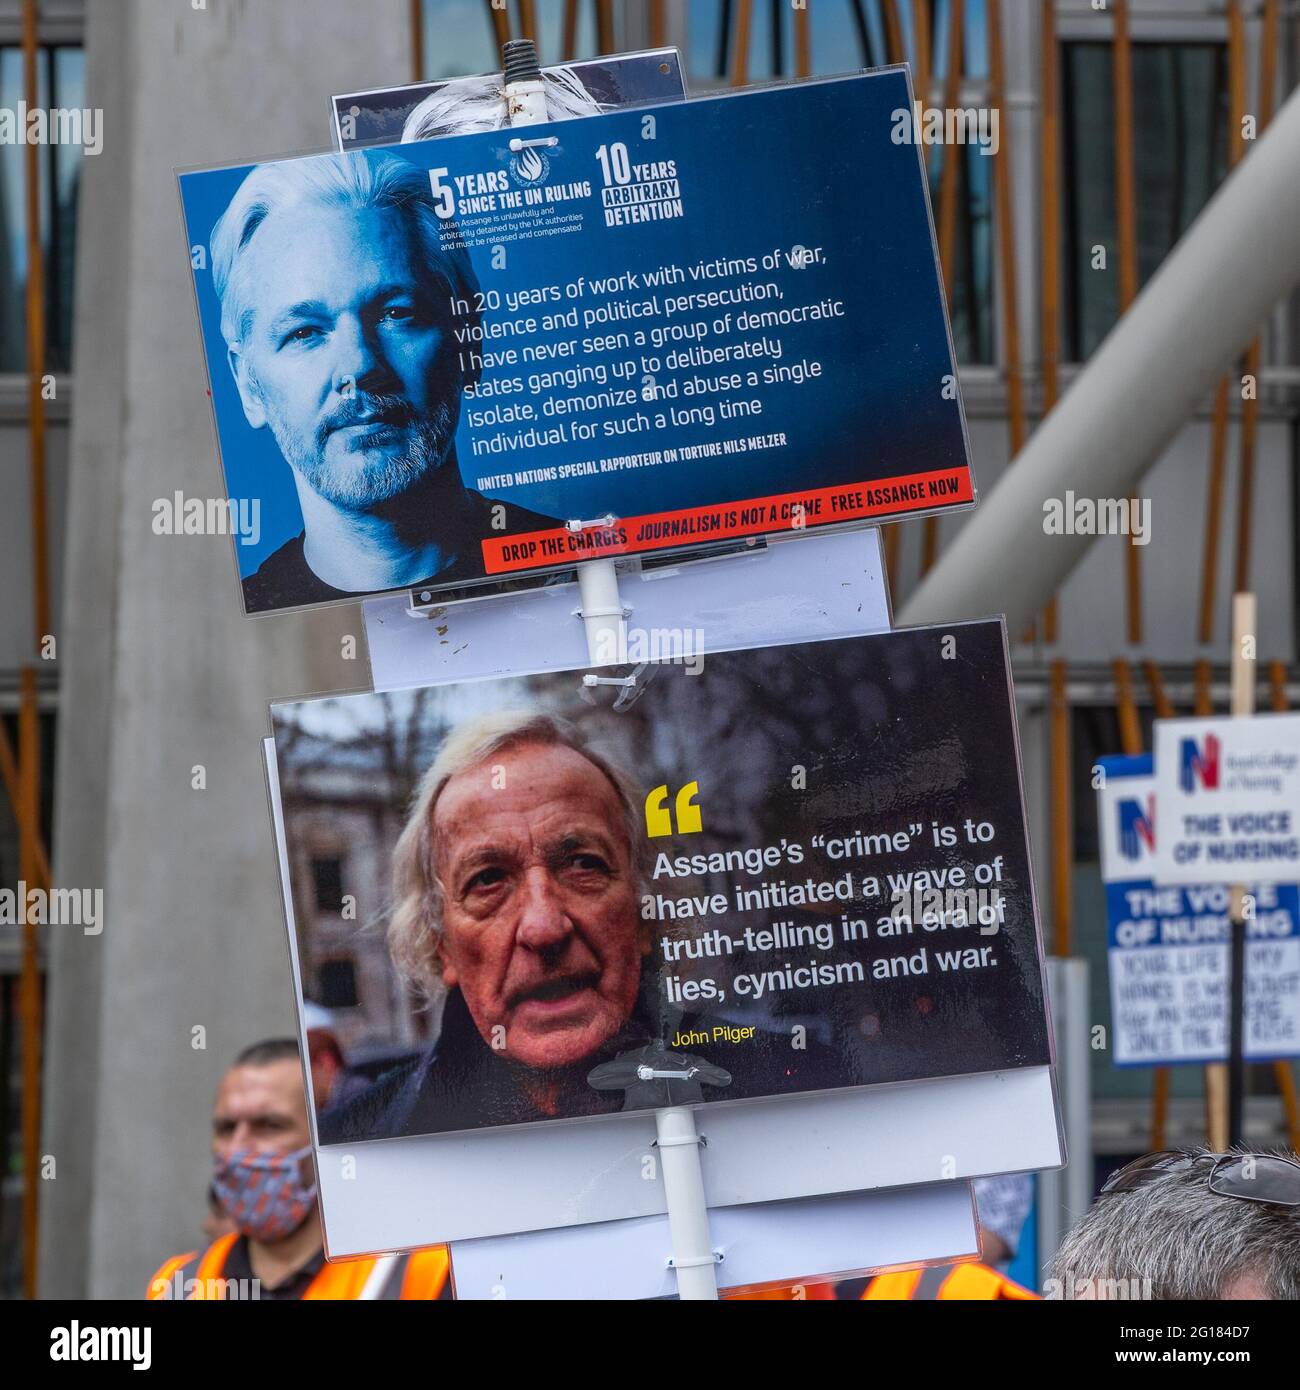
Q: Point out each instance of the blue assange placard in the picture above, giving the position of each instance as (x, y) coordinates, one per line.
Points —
(498, 354)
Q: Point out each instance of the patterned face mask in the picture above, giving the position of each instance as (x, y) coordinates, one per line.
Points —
(267, 1196)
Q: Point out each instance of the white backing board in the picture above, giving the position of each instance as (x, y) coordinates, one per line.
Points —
(786, 1242)
(797, 589)
(403, 1193)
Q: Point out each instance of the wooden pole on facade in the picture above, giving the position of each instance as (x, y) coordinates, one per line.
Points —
(1006, 233)
(1219, 427)
(500, 19)
(1126, 222)
(29, 749)
(13, 790)
(1213, 509)
(740, 53)
(923, 58)
(1282, 1070)
(1254, 353)
(1062, 833)
(802, 43)
(35, 340)
(1164, 709)
(895, 52)
(605, 25)
(527, 20)
(417, 40)
(948, 171)
(1050, 292)
(29, 980)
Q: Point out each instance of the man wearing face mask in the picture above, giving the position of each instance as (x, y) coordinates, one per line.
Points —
(265, 1181)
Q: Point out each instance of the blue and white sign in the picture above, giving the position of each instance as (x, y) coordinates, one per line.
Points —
(1229, 796)
(1168, 946)
(500, 353)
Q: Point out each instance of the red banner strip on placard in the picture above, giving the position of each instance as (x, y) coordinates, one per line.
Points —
(788, 511)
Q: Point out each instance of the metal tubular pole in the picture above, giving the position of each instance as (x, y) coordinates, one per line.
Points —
(1193, 318)
(688, 1212)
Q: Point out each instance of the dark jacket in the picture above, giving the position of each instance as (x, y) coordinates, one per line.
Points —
(285, 580)
(460, 1083)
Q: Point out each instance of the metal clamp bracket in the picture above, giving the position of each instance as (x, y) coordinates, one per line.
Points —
(627, 686)
(716, 1258)
(607, 520)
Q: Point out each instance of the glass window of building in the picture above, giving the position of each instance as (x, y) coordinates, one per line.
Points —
(1180, 155)
(61, 72)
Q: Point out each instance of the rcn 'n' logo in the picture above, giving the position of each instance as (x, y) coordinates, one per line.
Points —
(1137, 826)
(1197, 766)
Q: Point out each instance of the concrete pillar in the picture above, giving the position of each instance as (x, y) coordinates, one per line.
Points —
(160, 670)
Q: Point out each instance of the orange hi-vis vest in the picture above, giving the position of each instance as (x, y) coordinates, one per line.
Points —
(965, 1281)
(969, 1281)
(421, 1275)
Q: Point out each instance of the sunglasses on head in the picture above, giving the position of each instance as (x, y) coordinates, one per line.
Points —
(1251, 1177)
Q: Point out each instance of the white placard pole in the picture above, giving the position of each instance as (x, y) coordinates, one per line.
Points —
(694, 1261)
(601, 609)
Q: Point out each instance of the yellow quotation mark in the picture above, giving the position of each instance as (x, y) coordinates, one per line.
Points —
(658, 819)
